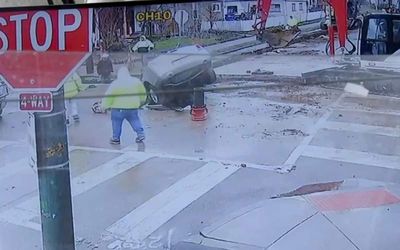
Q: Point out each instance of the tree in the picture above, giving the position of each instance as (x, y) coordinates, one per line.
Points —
(109, 21)
(210, 15)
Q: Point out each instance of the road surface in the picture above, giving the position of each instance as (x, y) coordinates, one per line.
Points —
(189, 174)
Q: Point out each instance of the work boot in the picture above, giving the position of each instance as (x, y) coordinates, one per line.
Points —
(115, 141)
(140, 139)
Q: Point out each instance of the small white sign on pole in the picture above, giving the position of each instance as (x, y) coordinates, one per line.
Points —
(32, 141)
(181, 17)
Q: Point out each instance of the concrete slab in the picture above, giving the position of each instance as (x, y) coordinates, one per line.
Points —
(98, 208)
(151, 215)
(361, 128)
(374, 119)
(371, 143)
(245, 187)
(372, 228)
(228, 245)
(353, 156)
(82, 161)
(323, 170)
(268, 218)
(192, 246)
(17, 186)
(12, 153)
(315, 233)
(12, 126)
(16, 237)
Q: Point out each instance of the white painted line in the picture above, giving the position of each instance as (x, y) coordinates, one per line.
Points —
(276, 168)
(147, 218)
(351, 156)
(20, 217)
(7, 143)
(297, 152)
(94, 177)
(361, 128)
(106, 150)
(374, 96)
(10, 169)
(368, 111)
(13, 168)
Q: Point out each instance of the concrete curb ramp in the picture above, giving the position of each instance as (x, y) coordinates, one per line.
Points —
(361, 214)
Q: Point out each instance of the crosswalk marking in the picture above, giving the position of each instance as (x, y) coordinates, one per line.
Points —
(368, 111)
(94, 177)
(351, 156)
(361, 128)
(4, 143)
(10, 169)
(20, 217)
(147, 218)
(106, 150)
(297, 152)
(276, 168)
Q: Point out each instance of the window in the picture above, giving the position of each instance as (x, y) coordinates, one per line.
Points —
(253, 9)
(276, 8)
(232, 9)
(301, 8)
(396, 31)
(377, 29)
(293, 6)
(216, 7)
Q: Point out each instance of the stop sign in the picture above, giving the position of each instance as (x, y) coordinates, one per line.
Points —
(40, 49)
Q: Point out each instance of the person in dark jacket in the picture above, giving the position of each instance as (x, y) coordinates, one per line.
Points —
(105, 67)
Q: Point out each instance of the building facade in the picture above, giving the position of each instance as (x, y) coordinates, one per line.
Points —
(188, 19)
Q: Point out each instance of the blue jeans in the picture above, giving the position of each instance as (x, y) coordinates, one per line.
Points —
(131, 115)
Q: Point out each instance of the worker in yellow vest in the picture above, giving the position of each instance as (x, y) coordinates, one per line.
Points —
(125, 96)
(71, 89)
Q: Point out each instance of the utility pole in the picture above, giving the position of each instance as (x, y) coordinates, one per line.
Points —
(54, 176)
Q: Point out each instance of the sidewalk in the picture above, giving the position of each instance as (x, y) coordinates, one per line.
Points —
(361, 215)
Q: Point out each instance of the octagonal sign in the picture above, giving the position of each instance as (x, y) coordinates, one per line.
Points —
(40, 49)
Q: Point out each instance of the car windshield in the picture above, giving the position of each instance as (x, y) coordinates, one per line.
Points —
(199, 125)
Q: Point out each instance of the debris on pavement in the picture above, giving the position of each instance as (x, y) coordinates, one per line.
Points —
(311, 188)
(284, 132)
(285, 169)
(293, 132)
(262, 72)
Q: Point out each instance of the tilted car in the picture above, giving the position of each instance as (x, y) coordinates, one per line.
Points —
(171, 77)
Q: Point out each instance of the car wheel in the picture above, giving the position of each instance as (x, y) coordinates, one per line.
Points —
(213, 77)
(152, 97)
(323, 25)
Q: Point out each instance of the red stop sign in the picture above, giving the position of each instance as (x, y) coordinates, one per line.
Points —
(39, 49)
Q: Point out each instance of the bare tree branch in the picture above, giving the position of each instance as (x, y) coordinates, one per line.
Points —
(110, 19)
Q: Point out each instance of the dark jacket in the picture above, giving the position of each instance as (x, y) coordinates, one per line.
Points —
(105, 67)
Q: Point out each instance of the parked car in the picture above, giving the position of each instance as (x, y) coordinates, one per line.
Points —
(171, 77)
(3, 95)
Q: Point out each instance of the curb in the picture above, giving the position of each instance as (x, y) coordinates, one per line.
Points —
(261, 77)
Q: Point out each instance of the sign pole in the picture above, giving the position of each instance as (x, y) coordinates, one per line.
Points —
(54, 176)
